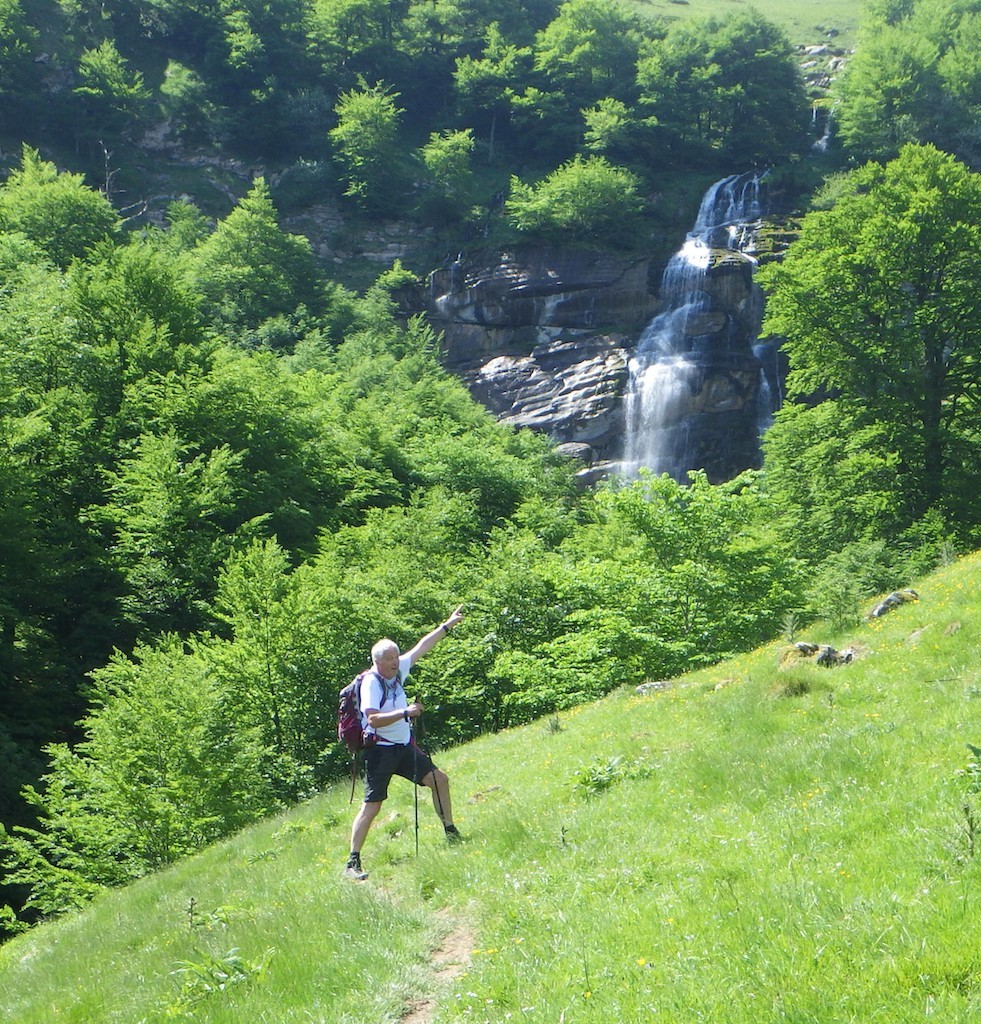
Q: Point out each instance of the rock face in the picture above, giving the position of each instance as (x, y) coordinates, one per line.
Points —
(543, 338)
(647, 366)
(571, 390)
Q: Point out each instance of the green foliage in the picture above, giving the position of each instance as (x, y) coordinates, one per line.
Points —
(877, 303)
(835, 475)
(598, 775)
(847, 579)
(158, 775)
(723, 85)
(584, 200)
(184, 95)
(697, 578)
(18, 38)
(167, 507)
(270, 672)
(589, 50)
(113, 97)
(214, 973)
(973, 769)
(890, 94)
(248, 271)
(593, 777)
(748, 778)
(448, 182)
(485, 85)
(280, 504)
(278, 82)
(365, 146)
(913, 79)
(55, 210)
(611, 127)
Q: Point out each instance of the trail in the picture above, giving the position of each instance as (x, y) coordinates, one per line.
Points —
(450, 959)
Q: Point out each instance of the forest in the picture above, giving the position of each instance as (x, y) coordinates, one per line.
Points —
(225, 470)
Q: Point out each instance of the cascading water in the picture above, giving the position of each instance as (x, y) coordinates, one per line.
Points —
(697, 394)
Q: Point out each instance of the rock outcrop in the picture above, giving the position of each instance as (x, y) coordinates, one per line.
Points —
(542, 338)
(648, 364)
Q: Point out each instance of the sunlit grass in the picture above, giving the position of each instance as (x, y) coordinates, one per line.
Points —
(806, 22)
(754, 843)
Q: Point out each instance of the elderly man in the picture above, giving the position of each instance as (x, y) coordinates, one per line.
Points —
(386, 711)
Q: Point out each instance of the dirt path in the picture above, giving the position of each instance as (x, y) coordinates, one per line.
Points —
(450, 960)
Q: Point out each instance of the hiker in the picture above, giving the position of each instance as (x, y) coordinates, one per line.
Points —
(386, 711)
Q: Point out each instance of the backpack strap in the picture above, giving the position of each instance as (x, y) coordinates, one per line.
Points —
(384, 687)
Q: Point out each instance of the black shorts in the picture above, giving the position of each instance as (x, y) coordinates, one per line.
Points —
(382, 762)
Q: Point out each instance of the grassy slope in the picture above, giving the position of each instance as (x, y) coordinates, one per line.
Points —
(804, 21)
(773, 844)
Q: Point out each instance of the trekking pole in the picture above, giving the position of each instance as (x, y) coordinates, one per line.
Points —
(439, 800)
(415, 779)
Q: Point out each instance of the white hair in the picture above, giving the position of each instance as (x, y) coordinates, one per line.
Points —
(383, 647)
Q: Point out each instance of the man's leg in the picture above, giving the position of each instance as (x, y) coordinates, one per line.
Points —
(439, 783)
(378, 766)
(359, 830)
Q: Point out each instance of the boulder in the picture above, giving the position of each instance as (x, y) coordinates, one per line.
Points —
(823, 654)
(894, 600)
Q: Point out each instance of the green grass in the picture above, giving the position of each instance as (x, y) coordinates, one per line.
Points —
(805, 22)
(753, 843)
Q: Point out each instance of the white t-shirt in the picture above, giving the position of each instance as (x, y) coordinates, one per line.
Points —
(395, 699)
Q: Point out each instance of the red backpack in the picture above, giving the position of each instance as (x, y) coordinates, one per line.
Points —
(350, 731)
(349, 728)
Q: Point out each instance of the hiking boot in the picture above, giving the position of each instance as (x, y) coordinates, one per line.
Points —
(355, 870)
(452, 834)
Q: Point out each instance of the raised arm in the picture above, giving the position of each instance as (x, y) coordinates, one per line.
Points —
(429, 641)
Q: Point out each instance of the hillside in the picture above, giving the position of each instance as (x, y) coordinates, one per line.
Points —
(155, 103)
(747, 843)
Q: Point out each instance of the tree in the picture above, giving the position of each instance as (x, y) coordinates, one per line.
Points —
(585, 200)
(915, 77)
(340, 30)
(960, 70)
(890, 93)
(17, 41)
(159, 775)
(586, 53)
(611, 127)
(589, 50)
(878, 303)
(485, 85)
(249, 270)
(835, 476)
(365, 145)
(268, 679)
(185, 99)
(166, 508)
(446, 159)
(113, 98)
(55, 210)
(728, 86)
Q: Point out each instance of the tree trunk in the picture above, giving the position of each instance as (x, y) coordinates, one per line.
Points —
(931, 417)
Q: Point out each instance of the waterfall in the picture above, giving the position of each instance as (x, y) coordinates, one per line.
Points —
(694, 379)
(820, 119)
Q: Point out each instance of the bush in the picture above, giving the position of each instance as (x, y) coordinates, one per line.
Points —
(582, 200)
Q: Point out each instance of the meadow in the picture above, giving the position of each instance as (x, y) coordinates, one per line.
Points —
(765, 840)
(806, 22)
